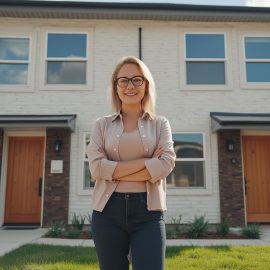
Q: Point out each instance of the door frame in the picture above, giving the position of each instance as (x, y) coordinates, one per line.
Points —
(3, 184)
(249, 133)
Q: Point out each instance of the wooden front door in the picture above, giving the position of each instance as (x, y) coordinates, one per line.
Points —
(24, 180)
(256, 154)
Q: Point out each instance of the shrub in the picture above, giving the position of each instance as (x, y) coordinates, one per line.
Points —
(77, 222)
(89, 219)
(177, 223)
(223, 228)
(198, 227)
(73, 233)
(56, 229)
(251, 231)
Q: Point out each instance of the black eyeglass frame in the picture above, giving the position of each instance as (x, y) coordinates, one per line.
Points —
(129, 79)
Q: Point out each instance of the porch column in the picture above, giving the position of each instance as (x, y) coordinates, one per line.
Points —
(232, 205)
(56, 185)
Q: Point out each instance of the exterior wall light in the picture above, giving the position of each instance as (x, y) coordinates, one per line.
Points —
(57, 145)
(230, 145)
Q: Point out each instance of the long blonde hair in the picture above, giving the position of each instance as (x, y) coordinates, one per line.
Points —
(149, 99)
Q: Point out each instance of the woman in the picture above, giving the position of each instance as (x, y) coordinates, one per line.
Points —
(130, 154)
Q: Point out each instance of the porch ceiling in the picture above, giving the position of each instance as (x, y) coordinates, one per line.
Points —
(224, 120)
(66, 121)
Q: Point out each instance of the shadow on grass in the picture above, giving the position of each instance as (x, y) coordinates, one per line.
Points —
(42, 254)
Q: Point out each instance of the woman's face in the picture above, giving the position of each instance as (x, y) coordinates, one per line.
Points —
(129, 93)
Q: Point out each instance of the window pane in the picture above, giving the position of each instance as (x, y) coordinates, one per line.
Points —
(205, 73)
(87, 177)
(66, 72)
(187, 174)
(66, 45)
(258, 72)
(14, 48)
(257, 47)
(13, 73)
(188, 145)
(205, 46)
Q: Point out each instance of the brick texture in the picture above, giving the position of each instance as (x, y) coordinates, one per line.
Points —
(230, 180)
(56, 186)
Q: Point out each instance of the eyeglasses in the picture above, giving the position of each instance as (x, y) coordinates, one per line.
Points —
(124, 81)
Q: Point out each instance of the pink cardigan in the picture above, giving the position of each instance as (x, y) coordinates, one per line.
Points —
(154, 131)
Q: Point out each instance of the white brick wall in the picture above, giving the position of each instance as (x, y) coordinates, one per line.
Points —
(161, 51)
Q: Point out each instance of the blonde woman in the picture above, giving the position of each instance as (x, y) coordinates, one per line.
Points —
(130, 155)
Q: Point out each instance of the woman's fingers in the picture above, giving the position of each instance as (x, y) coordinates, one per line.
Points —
(157, 152)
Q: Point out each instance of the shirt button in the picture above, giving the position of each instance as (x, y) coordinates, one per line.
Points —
(141, 126)
(146, 149)
(118, 135)
(144, 136)
(114, 149)
(107, 195)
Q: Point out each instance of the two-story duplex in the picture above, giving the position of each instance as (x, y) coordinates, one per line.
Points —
(211, 65)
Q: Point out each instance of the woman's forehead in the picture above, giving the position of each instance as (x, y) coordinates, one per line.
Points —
(129, 70)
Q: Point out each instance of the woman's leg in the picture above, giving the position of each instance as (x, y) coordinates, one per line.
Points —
(111, 242)
(148, 245)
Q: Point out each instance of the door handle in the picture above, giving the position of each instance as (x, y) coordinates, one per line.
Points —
(40, 186)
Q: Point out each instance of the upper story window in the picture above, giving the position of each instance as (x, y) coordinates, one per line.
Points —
(257, 59)
(14, 60)
(66, 58)
(189, 168)
(205, 59)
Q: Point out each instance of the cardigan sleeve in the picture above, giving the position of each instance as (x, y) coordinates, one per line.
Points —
(160, 167)
(100, 167)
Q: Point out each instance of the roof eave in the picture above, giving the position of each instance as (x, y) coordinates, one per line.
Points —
(131, 11)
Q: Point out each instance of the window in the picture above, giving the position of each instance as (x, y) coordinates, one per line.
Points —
(257, 59)
(66, 58)
(87, 181)
(205, 59)
(14, 60)
(189, 168)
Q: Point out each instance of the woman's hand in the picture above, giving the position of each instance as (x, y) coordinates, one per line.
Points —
(158, 152)
(102, 151)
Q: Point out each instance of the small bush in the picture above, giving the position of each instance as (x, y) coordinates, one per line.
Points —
(198, 227)
(56, 229)
(223, 228)
(171, 232)
(77, 222)
(73, 233)
(177, 223)
(251, 231)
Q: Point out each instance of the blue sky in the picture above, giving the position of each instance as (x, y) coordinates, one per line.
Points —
(258, 3)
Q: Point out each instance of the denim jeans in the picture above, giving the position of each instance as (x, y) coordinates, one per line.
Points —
(126, 226)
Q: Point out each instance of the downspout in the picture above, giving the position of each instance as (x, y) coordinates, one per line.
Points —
(140, 43)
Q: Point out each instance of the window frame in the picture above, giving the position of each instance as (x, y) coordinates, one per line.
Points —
(29, 86)
(243, 71)
(207, 188)
(226, 60)
(81, 189)
(88, 59)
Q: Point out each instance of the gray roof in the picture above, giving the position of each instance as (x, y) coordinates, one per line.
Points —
(131, 11)
(66, 121)
(223, 120)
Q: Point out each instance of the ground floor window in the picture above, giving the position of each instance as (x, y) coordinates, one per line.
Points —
(87, 181)
(189, 168)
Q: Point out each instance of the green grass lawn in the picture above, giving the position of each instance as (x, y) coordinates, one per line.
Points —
(46, 257)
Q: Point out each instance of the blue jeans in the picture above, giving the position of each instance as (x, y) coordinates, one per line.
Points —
(126, 226)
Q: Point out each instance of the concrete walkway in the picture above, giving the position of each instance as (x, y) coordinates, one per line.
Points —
(12, 239)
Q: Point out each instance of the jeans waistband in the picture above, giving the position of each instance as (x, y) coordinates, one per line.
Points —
(129, 194)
